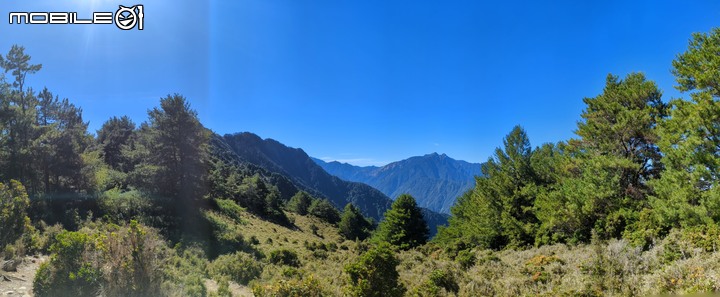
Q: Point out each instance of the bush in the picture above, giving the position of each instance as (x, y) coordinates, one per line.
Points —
(133, 258)
(231, 209)
(121, 206)
(226, 236)
(308, 287)
(320, 254)
(223, 288)
(47, 236)
(537, 266)
(375, 274)
(284, 257)
(705, 237)
(444, 279)
(71, 271)
(322, 209)
(185, 273)
(239, 267)
(466, 258)
(14, 203)
(438, 281)
(300, 202)
(119, 261)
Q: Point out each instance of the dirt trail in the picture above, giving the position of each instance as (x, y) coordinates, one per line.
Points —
(236, 289)
(19, 283)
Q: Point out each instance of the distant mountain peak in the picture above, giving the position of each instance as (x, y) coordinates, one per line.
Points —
(304, 173)
(435, 180)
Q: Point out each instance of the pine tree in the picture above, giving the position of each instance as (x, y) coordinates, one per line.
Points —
(403, 225)
(602, 181)
(499, 210)
(112, 137)
(176, 146)
(300, 202)
(323, 209)
(688, 192)
(353, 224)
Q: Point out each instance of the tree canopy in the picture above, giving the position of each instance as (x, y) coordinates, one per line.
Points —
(403, 225)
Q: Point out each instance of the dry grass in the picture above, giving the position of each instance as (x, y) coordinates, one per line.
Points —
(613, 268)
(326, 266)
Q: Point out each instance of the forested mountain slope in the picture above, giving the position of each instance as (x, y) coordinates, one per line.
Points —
(435, 180)
(297, 166)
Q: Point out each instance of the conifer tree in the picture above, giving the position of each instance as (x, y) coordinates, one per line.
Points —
(353, 224)
(403, 225)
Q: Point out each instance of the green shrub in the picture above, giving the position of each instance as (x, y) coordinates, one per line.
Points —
(239, 267)
(375, 274)
(291, 272)
(70, 271)
(132, 262)
(322, 209)
(444, 279)
(308, 287)
(122, 206)
(466, 258)
(14, 203)
(320, 254)
(116, 261)
(705, 237)
(227, 235)
(9, 252)
(300, 202)
(439, 281)
(231, 209)
(284, 257)
(185, 273)
(224, 288)
(47, 236)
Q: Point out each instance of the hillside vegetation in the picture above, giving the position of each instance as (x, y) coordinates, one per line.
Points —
(167, 208)
(301, 170)
(434, 180)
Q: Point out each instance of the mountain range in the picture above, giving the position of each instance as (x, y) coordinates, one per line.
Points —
(435, 180)
(291, 169)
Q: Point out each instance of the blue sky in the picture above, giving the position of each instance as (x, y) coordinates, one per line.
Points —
(367, 82)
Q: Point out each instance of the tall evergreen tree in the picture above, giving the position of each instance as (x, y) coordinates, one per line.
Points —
(177, 146)
(112, 137)
(322, 208)
(43, 137)
(353, 224)
(621, 123)
(499, 210)
(688, 192)
(18, 64)
(300, 202)
(605, 172)
(403, 225)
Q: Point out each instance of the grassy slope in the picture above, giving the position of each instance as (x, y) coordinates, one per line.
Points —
(612, 269)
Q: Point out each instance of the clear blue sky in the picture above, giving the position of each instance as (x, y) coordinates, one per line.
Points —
(368, 81)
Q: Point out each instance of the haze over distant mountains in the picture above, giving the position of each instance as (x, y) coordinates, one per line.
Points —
(291, 169)
(435, 181)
